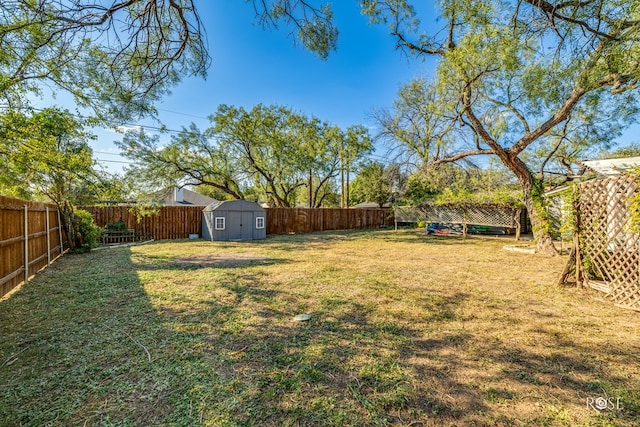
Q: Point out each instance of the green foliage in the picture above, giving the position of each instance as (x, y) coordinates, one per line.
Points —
(631, 150)
(634, 204)
(87, 232)
(537, 86)
(568, 224)
(450, 183)
(505, 197)
(419, 189)
(314, 25)
(46, 156)
(373, 184)
(269, 152)
(116, 226)
(541, 222)
(118, 59)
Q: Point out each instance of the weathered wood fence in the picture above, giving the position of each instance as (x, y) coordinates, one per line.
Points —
(177, 222)
(608, 258)
(170, 222)
(304, 220)
(30, 239)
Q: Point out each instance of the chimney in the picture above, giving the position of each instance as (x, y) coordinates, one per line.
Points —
(179, 195)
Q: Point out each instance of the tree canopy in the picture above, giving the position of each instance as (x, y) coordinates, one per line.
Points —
(531, 82)
(117, 58)
(269, 151)
(120, 57)
(46, 156)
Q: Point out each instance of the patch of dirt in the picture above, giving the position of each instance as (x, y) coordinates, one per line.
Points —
(219, 260)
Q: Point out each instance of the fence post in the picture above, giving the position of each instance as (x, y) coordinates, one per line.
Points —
(60, 231)
(26, 243)
(46, 210)
(576, 233)
(465, 218)
(518, 225)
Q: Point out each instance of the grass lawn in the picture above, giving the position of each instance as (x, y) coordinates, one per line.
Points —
(405, 330)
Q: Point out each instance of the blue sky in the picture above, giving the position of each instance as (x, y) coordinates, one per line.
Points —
(251, 65)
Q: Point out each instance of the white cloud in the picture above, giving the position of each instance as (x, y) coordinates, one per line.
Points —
(126, 129)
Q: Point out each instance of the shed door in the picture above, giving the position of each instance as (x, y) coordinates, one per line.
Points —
(240, 225)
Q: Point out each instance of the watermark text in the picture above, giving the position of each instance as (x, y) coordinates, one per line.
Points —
(604, 403)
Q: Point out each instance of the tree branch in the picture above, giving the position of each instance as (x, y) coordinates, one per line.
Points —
(460, 156)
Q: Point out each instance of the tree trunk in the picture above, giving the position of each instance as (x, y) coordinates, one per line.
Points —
(534, 201)
(311, 198)
(69, 225)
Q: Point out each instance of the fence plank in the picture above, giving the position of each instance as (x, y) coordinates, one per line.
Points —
(303, 220)
(178, 222)
(24, 249)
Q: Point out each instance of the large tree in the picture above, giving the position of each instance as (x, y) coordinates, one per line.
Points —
(46, 156)
(514, 76)
(511, 74)
(119, 57)
(269, 148)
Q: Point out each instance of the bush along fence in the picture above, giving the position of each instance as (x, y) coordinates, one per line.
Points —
(178, 222)
(31, 238)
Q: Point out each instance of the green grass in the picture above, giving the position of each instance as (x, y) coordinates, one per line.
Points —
(405, 330)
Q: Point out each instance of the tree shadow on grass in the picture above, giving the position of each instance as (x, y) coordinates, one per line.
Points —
(94, 341)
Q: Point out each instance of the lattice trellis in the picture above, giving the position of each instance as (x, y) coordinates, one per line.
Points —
(610, 251)
(409, 214)
(494, 216)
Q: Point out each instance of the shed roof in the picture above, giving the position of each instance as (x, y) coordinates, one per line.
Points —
(233, 205)
(612, 166)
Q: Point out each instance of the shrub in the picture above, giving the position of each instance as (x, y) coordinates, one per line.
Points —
(87, 233)
(117, 226)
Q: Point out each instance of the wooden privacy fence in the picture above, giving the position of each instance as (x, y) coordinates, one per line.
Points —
(178, 222)
(170, 222)
(305, 220)
(608, 258)
(30, 239)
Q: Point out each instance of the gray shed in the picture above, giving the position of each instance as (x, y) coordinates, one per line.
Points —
(234, 220)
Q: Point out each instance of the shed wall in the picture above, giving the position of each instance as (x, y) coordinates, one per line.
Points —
(238, 224)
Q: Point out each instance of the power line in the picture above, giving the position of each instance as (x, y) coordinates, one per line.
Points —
(116, 125)
(183, 114)
(107, 153)
(114, 161)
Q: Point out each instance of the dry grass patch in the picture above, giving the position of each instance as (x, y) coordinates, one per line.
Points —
(405, 330)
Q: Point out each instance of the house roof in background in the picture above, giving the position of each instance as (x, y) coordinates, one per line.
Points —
(369, 205)
(190, 198)
(611, 167)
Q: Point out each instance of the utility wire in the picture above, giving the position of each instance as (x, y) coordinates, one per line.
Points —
(114, 161)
